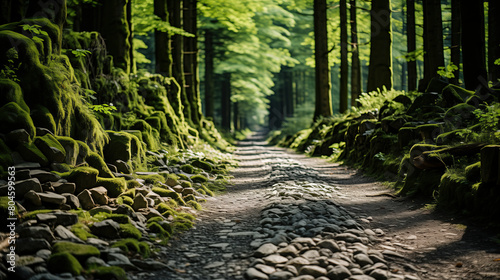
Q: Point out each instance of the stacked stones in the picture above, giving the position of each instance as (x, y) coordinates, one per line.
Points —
(318, 239)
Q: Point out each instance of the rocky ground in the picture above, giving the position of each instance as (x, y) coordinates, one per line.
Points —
(288, 216)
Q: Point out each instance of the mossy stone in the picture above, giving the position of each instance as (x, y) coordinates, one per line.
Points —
(96, 161)
(156, 228)
(126, 147)
(115, 186)
(71, 148)
(125, 200)
(10, 91)
(109, 272)
(198, 178)
(51, 148)
(422, 100)
(83, 177)
(30, 152)
(43, 118)
(152, 178)
(452, 191)
(14, 117)
(150, 136)
(129, 231)
(428, 132)
(80, 251)
(473, 172)
(460, 116)
(188, 168)
(203, 165)
(453, 95)
(83, 151)
(193, 204)
(168, 193)
(64, 262)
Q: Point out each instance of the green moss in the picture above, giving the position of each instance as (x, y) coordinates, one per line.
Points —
(193, 204)
(132, 184)
(14, 117)
(125, 146)
(119, 218)
(203, 165)
(43, 118)
(32, 214)
(156, 228)
(183, 222)
(96, 161)
(109, 272)
(64, 262)
(189, 197)
(83, 150)
(47, 144)
(473, 172)
(155, 219)
(81, 251)
(452, 191)
(150, 136)
(71, 148)
(83, 177)
(183, 177)
(204, 190)
(125, 200)
(186, 184)
(11, 92)
(130, 193)
(198, 178)
(30, 152)
(168, 193)
(129, 231)
(152, 178)
(162, 207)
(188, 168)
(115, 186)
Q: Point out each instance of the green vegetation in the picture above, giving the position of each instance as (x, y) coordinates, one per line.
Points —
(133, 246)
(64, 262)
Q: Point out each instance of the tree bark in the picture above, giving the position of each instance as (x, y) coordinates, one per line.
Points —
(323, 86)
(209, 74)
(163, 53)
(55, 11)
(133, 66)
(473, 45)
(191, 61)
(494, 41)
(226, 102)
(411, 44)
(344, 63)
(356, 66)
(455, 39)
(175, 19)
(380, 69)
(433, 41)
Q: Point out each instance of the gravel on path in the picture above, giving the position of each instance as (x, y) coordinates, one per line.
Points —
(288, 216)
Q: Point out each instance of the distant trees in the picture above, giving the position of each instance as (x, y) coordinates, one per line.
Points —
(433, 41)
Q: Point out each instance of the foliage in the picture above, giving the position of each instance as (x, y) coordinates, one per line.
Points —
(103, 108)
(81, 53)
(373, 100)
(34, 30)
(447, 71)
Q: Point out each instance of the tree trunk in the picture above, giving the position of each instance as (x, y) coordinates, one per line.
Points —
(344, 63)
(323, 95)
(236, 117)
(380, 69)
(473, 46)
(133, 66)
(209, 74)
(110, 19)
(191, 61)
(226, 102)
(356, 66)
(411, 44)
(455, 39)
(175, 11)
(163, 53)
(433, 41)
(494, 40)
(403, 62)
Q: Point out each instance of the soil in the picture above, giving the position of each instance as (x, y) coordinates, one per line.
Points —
(434, 245)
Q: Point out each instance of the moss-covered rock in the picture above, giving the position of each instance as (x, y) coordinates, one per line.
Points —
(132, 245)
(51, 148)
(43, 118)
(460, 116)
(152, 178)
(96, 161)
(126, 147)
(80, 251)
(425, 99)
(198, 178)
(64, 262)
(473, 172)
(71, 148)
(115, 186)
(11, 92)
(453, 95)
(203, 165)
(188, 168)
(109, 272)
(30, 152)
(125, 200)
(168, 193)
(453, 191)
(83, 177)
(14, 117)
(150, 136)
(193, 204)
(158, 229)
(129, 231)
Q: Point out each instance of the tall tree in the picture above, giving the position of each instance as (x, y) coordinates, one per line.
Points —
(226, 101)
(355, 63)
(175, 11)
(163, 52)
(493, 40)
(380, 68)
(344, 63)
(323, 95)
(433, 41)
(209, 74)
(473, 45)
(191, 61)
(411, 44)
(455, 39)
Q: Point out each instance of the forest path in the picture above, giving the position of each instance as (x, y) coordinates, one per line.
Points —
(402, 239)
